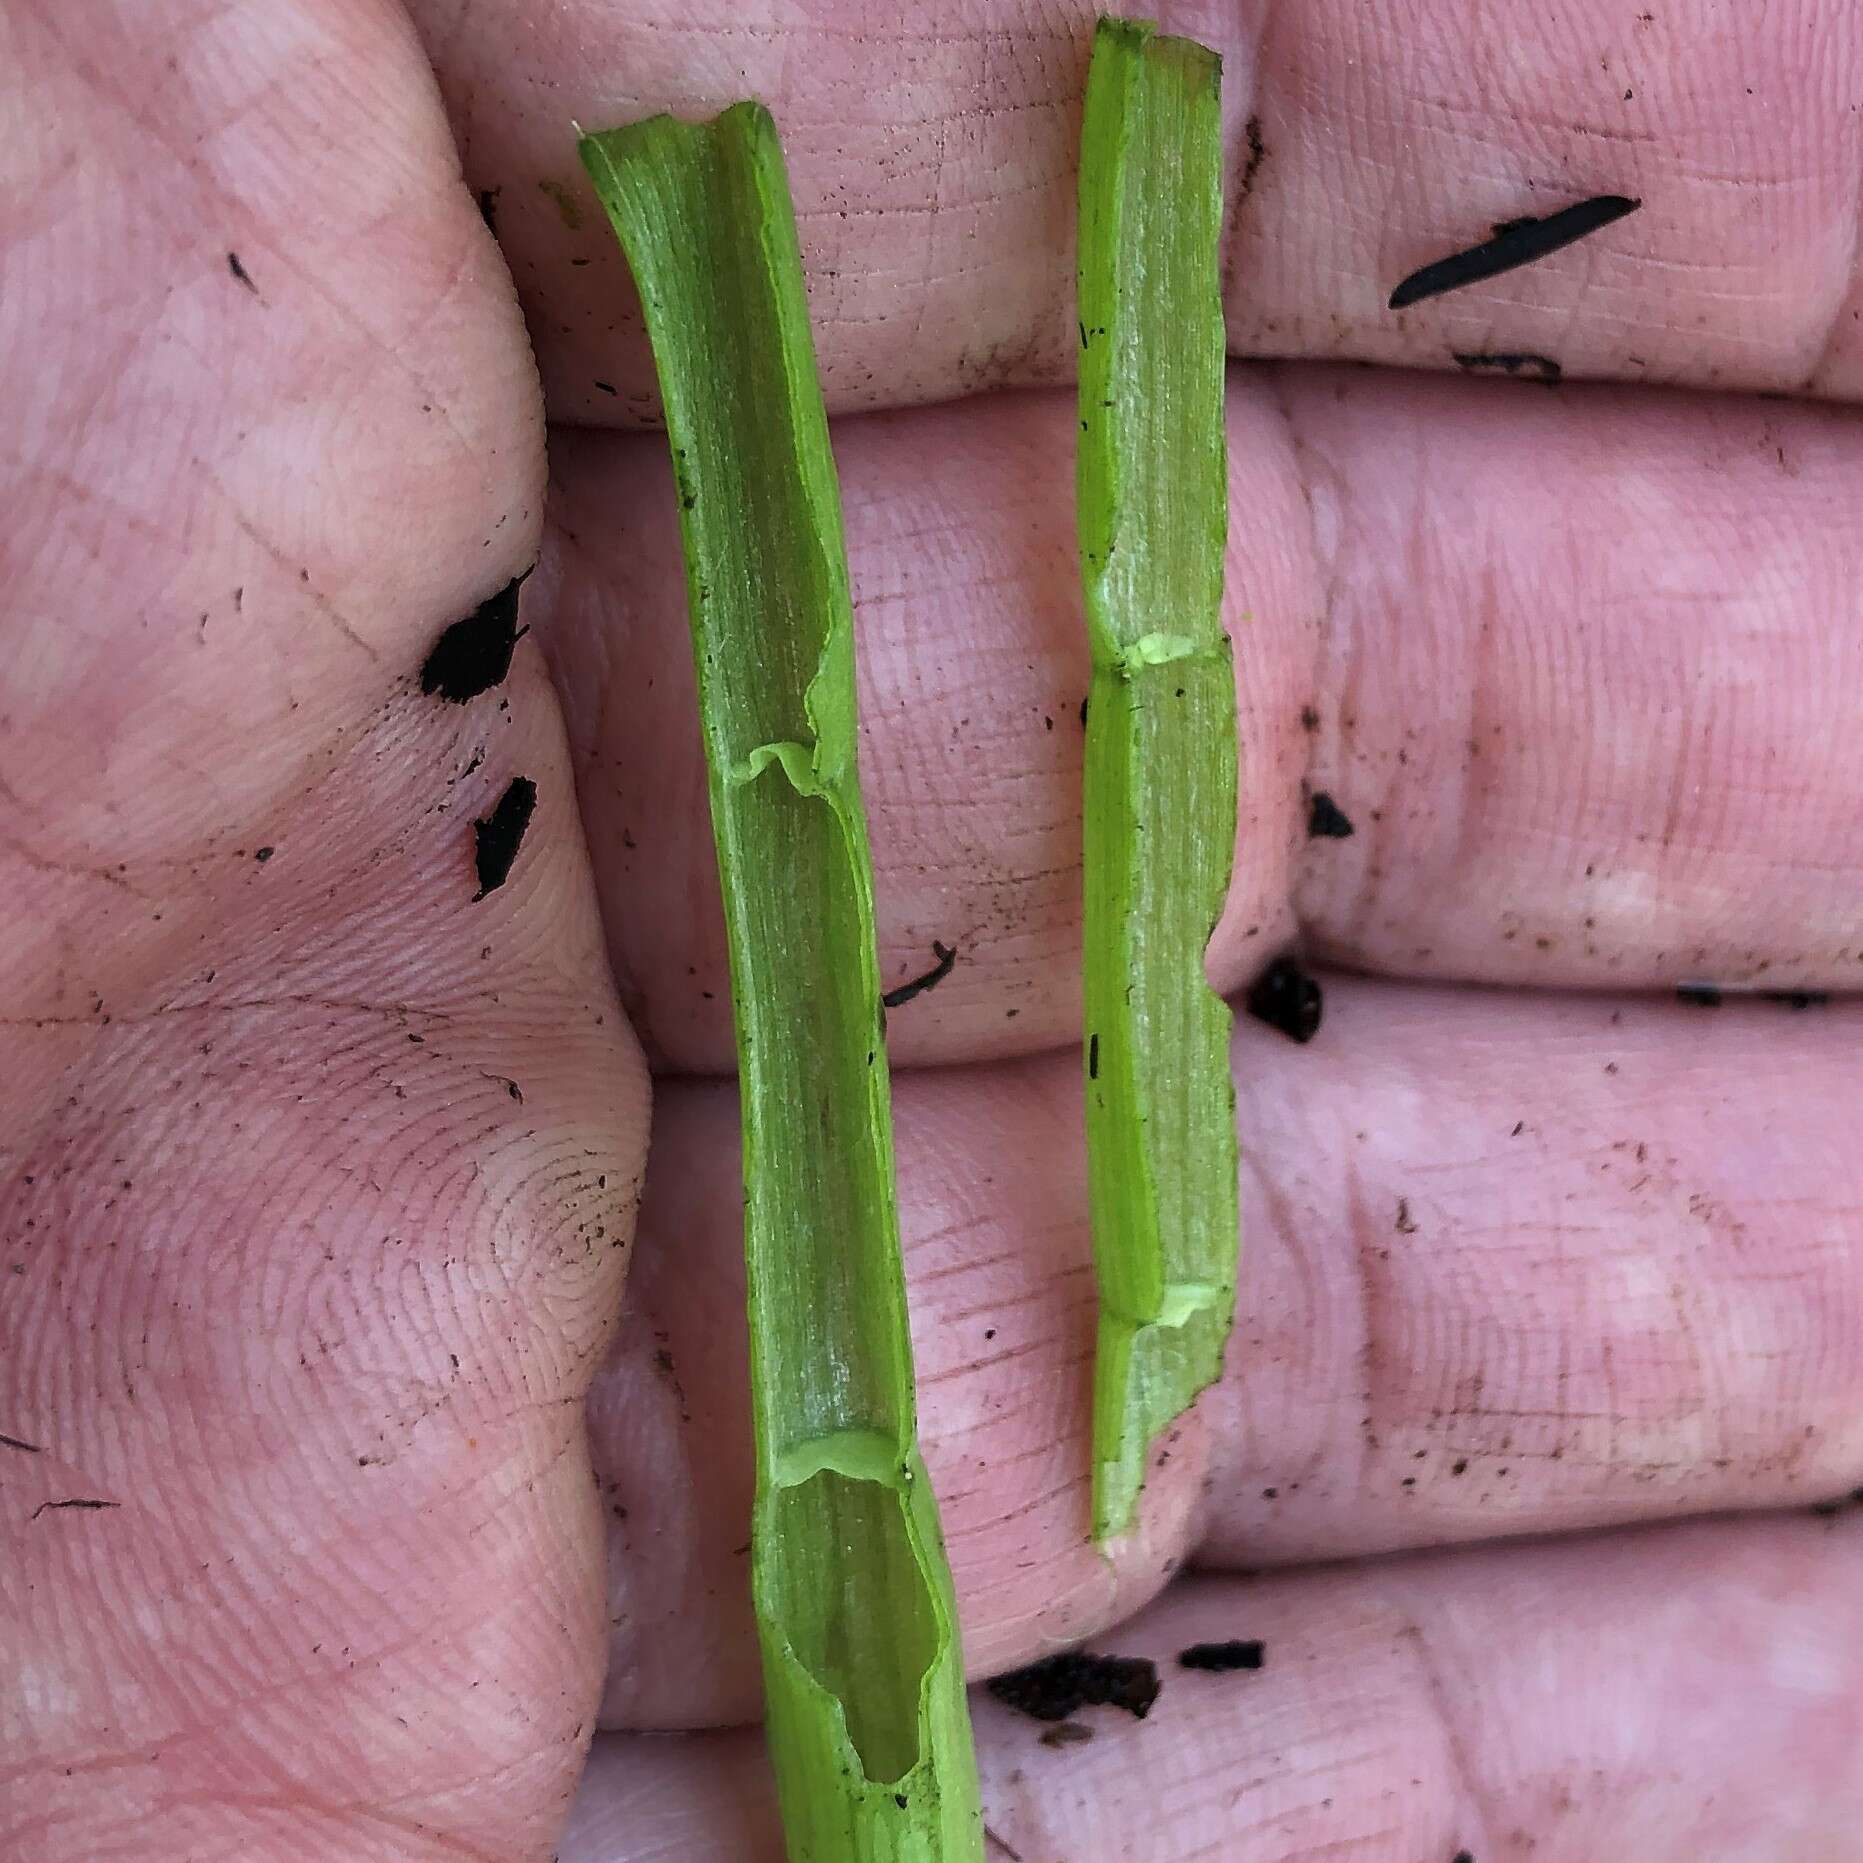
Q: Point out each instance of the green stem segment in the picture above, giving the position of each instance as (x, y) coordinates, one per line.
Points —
(866, 1713)
(1160, 800)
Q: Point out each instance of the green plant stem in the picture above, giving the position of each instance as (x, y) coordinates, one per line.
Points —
(867, 1720)
(1160, 785)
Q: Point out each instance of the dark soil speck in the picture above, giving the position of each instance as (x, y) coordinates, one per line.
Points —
(1516, 362)
(945, 955)
(1059, 1686)
(1326, 820)
(500, 834)
(1224, 1658)
(474, 654)
(1287, 999)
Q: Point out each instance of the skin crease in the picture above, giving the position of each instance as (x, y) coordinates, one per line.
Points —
(317, 1177)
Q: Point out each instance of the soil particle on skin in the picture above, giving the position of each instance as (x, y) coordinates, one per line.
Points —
(1463, 1856)
(474, 654)
(1799, 999)
(240, 274)
(488, 209)
(946, 956)
(1406, 1223)
(1287, 999)
(1843, 1504)
(16, 1442)
(79, 1505)
(1068, 1734)
(1224, 1658)
(498, 836)
(1057, 1687)
(1516, 362)
(1326, 820)
(1513, 243)
(1309, 719)
(1698, 995)
(263, 854)
(1257, 154)
(568, 207)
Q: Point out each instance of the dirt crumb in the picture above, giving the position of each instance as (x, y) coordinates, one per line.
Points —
(1516, 362)
(498, 836)
(1057, 1687)
(1287, 999)
(1224, 1658)
(1326, 820)
(945, 956)
(474, 654)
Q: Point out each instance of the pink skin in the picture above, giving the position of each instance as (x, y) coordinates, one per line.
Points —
(317, 1177)
(1692, 1691)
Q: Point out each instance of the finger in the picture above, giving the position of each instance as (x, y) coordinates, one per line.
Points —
(312, 1163)
(163, 544)
(1577, 669)
(1507, 1267)
(1667, 1695)
(934, 172)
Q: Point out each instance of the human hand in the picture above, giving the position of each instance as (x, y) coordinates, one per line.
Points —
(318, 1172)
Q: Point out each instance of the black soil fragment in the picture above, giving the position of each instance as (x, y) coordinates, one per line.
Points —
(1698, 995)
(946, 954)
(1828, 1510)
(240, 274)
(1519, 362)
(1287, 999)
(1799, 999)
(1067, 1734)
(500, 834)
(1326, 820)
(474, 654)
(1224, 1658)
(1463, 1856)
(1057, 1687)
(1257, 153)
(1514, 243)
(81, 1506)
(488, 209)
(15, 1442)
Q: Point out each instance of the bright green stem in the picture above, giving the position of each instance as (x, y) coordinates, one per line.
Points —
(866, 1712)
(1161, 742)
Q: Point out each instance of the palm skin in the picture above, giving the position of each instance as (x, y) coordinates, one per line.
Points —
(317, 1175)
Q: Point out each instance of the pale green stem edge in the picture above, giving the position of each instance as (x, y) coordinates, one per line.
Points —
(1160, 780)
(866, 1714)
